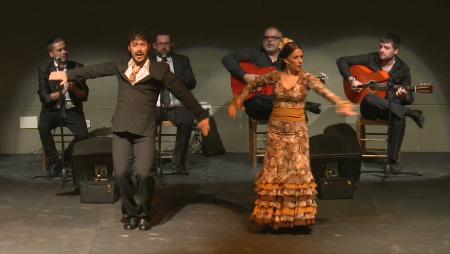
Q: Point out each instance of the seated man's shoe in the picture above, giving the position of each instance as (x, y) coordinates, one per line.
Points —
(182, 171)
(418, 117)
(144, 223)
(395, 168)
(54, 170)
(178, 170)
(131, 223)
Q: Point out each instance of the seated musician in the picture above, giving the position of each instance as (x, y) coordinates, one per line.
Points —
(374, 107)
(260, 106)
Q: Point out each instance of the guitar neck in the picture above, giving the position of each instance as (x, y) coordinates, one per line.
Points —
(421, 88)
(382, 86)
(407, 88)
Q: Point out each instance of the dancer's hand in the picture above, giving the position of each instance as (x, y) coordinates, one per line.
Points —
(203, 125)
(234, 106)
(345, 108)
(232, 111)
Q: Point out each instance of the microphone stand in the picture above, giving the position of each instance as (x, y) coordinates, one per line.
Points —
(62, 115)
(387, 166)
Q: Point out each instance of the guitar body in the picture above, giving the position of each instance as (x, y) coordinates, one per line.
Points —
(237, 85)
(365, 76)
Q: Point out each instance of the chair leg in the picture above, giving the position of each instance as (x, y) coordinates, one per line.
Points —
(361, 135)
(44, 161)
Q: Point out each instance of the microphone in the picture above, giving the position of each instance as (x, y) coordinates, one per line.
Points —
(59, 64)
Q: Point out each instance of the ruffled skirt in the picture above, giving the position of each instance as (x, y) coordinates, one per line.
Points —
(285, 186)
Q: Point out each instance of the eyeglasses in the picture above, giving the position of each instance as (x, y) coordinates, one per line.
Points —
(163, 43)
(265, 37)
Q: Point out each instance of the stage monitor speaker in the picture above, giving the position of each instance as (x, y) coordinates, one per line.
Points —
(340, 129)
(92, 169)
(335, 164)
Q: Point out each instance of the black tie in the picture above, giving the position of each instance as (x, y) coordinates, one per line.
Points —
(165, 94)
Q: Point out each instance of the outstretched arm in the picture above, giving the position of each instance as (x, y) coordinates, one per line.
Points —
(267, 79)
(344, 107)
(86, 72)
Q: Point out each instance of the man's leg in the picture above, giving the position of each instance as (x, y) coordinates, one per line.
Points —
(48, 120)
(373, 107)
(122, 148)
(144, 150)
(76, 123)
(397, 132)
(184, 121)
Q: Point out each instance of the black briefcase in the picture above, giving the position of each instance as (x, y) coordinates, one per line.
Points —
(336, 188)
(101, 190)
(92, 168)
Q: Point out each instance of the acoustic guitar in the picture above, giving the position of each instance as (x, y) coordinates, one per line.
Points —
(237, 85)
(375, 82)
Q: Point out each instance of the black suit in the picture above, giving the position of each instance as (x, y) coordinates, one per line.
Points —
(49, 116)
(134, 125)
(374, 107)
(179, 115)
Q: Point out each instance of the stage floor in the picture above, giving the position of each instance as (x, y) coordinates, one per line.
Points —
(208, 212)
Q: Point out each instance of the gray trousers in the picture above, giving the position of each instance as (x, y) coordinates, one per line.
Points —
(136, 153)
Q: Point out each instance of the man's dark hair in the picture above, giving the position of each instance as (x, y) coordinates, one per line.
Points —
(391, 38)
(52, 41)
(163, 33)
(138, 35)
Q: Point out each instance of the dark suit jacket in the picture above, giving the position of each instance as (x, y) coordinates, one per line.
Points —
(47, 87)
(136, 104)
(182, 69)
(400, 74)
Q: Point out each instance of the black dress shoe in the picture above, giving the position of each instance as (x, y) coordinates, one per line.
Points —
(418, 117)
(144, 223)
(131, 223)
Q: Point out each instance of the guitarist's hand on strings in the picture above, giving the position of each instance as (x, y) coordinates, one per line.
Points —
(401, 92)
(356, 85)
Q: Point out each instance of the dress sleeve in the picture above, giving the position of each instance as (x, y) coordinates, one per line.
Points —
(263, 80)
(315, 84)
